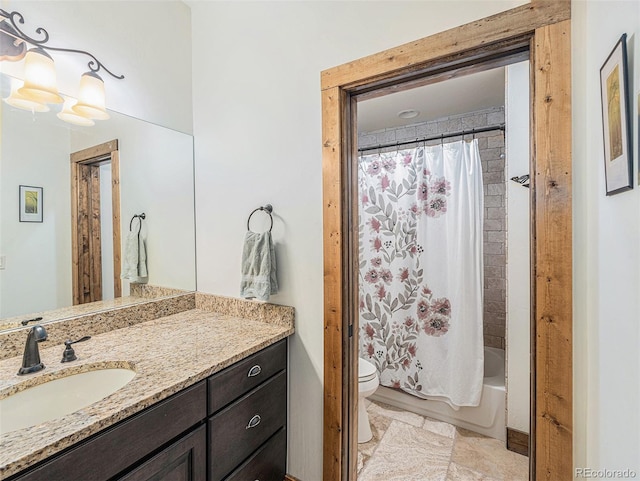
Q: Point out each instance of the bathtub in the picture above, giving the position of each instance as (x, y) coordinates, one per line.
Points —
(488, 418)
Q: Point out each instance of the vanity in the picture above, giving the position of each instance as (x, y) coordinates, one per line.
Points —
(204, 395)
(208, 401)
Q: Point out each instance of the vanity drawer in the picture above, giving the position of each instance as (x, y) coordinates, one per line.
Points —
(267, 464)
(228, 385)
(241, 428)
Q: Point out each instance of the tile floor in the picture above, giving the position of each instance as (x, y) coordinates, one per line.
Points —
(410, 447)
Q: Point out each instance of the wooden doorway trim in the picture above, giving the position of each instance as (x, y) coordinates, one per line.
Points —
(544, 28)
(83, 163)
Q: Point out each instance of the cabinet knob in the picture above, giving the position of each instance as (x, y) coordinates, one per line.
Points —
(254, 371)
(254, 421)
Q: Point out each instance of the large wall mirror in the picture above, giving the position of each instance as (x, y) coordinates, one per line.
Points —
(155, 177)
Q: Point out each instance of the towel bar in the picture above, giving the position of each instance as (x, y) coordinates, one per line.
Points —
(268, 209)
(140, 217)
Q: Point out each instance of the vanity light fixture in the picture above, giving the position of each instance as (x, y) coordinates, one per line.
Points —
(40, 78)
(91, 97)
(69, 115)
(40, 86)
(15, 99)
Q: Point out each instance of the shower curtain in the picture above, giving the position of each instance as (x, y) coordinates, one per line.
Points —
(421, 275)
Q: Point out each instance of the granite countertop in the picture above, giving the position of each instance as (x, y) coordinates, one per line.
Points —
(71, 311)
(168, 354)
(140, 293)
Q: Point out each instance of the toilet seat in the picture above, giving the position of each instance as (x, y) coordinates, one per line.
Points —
(366, 371)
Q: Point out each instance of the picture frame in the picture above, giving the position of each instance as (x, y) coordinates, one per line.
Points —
(31, 203)
(616, 120)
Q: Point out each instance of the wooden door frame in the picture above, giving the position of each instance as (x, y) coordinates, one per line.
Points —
(543, 27)
(87, 157)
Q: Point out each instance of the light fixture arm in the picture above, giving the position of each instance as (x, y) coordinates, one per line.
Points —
(13, 30)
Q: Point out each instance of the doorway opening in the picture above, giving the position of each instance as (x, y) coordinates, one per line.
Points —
(95, 211)
(539, 31)
(443, 267)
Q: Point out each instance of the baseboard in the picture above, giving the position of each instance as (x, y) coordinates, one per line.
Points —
(518, 442)
(288, 477)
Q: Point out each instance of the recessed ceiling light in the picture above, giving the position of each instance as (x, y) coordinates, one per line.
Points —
(408, 114)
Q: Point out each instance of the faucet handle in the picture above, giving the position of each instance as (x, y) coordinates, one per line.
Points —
(69, 354)
(27, 321)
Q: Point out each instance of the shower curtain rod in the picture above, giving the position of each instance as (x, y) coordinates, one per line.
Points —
(436, 137)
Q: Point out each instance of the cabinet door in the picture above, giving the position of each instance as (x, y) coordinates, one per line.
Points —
(185, 460)
(267, 463)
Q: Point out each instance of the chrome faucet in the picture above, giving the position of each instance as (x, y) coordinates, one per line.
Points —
(31, 358)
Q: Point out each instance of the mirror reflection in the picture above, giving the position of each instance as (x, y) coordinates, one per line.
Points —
(68, 200)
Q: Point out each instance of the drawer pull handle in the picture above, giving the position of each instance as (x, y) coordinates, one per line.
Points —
(254, 421)
(254, 371)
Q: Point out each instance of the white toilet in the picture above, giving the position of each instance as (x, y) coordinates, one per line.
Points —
(368, 382)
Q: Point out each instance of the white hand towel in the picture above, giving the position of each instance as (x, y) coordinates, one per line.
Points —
(258, 267)
(135, 259)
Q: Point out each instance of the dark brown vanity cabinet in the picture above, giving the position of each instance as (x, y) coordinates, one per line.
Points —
(230, 427)
(248, 416)
(118, 449)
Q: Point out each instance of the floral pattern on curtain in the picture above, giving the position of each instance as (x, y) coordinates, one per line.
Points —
(401, 314)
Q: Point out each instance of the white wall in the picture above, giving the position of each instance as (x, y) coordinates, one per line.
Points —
(518, 265)
(257, 123)
(606, 253)
(149, 42)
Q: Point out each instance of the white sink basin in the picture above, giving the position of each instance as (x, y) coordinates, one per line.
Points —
(58, 397)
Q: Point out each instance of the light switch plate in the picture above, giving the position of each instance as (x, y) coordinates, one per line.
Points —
(2, 262)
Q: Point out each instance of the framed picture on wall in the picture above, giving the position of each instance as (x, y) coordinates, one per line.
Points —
(30, 204)
(616, 120)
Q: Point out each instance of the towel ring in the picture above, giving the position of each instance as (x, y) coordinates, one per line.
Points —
(268, 209)
(140, 217)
